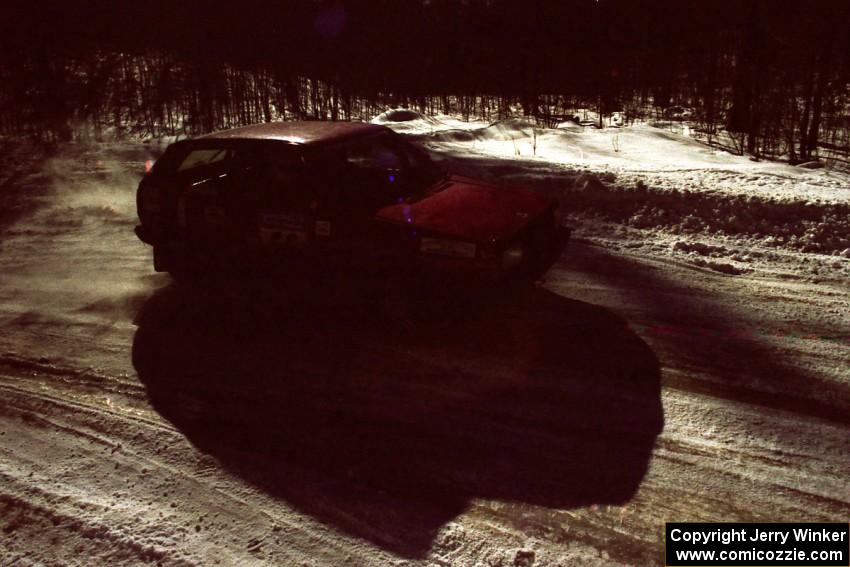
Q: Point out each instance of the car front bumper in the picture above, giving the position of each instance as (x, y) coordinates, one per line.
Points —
(460, 274)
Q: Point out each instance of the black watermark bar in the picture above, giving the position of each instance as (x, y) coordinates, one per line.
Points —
(757, 544)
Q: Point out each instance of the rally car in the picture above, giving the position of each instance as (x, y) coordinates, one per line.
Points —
(305, 196)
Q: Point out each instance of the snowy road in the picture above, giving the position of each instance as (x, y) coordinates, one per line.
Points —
(142, 421)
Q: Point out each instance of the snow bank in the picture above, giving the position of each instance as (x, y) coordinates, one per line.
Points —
(649, 178)
(399, 115)
(408, 121)
(799, 224)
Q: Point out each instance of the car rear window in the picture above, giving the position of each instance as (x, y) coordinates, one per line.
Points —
(204, 156)
(181, 158)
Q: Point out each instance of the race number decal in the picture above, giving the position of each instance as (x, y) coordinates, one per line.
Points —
(283, 229)
(282, 237)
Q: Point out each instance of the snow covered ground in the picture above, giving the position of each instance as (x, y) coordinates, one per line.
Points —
(687, 359)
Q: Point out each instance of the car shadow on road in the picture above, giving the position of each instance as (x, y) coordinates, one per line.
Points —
(721, 347)
(388, 431)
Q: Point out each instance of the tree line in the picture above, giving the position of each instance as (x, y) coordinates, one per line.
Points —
(769, 78)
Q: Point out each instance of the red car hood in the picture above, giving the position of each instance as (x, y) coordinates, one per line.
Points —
(470, 209)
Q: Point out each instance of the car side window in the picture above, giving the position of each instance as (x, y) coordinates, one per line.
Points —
(416, 159)
(374, 155)
(279, 168)
(281, 179)
(364, 175)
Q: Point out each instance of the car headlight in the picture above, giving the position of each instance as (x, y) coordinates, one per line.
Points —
(512, 256)
(455, 248)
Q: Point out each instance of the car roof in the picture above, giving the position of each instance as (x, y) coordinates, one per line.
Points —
(298, 132)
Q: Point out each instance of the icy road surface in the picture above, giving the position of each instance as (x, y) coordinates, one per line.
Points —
(146, 422)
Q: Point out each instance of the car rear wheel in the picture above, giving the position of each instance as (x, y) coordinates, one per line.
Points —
(183, 263)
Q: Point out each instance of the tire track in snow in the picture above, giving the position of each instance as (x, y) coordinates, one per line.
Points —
(85, 423)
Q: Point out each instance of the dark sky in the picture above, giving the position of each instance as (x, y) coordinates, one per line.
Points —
(548, 44)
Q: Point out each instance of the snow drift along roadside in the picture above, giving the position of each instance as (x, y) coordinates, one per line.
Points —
(659, 180)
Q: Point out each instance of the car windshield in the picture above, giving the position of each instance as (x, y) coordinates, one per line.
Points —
(404, 171)
(424, 169)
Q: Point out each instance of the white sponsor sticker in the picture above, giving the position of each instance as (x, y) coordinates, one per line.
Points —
(282, 237)
(323, 228)
(448, 247)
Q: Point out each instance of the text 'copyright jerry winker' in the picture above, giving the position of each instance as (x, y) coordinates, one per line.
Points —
(762, 545)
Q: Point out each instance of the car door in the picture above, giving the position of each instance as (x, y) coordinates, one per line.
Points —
(361, 177)
(205, 207)
(285, 198)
